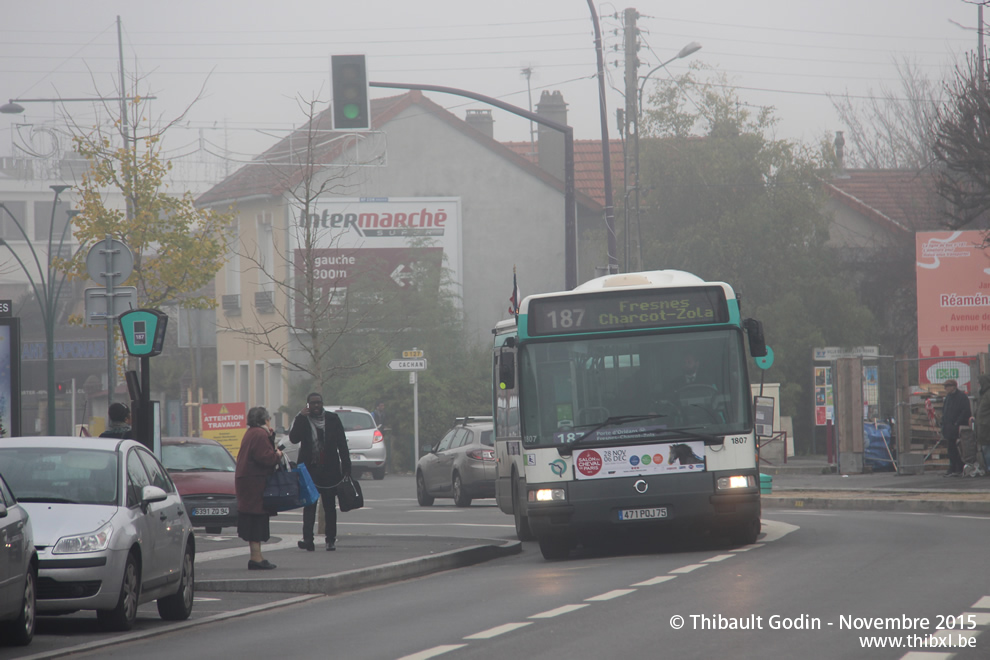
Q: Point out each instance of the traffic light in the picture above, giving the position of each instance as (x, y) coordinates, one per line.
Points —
(60, 388)
(349, 80)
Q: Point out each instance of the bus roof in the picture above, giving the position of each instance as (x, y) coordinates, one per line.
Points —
(642, 280)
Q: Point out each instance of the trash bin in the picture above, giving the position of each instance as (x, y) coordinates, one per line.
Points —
(766, 484)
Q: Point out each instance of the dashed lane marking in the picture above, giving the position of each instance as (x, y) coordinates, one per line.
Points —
(653, 581)
(434, 652)
(498, 630)
(609, 595)
(549, 614)
(688, 568)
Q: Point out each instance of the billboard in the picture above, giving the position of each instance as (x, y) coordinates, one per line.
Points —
(385, 239)
(953, 275)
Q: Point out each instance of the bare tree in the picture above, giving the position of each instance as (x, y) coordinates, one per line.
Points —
(323, 307)
(962, 149)
(892, 129)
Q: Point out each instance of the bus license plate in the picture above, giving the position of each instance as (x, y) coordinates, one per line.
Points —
(211, 511)
(643, 514)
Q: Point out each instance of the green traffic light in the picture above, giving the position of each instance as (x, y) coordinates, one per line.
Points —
(351, 110)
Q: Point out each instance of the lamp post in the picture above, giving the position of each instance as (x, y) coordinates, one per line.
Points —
(47, 288)
(690, 48)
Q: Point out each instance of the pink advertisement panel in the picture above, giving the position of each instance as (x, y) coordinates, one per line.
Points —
(953, 274)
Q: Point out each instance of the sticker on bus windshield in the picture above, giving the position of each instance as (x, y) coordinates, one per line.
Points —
(666, 458)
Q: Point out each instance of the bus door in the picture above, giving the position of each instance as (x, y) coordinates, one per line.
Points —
(508, 440)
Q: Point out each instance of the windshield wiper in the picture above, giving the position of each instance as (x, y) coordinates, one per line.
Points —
(566, 450)
(689, 432)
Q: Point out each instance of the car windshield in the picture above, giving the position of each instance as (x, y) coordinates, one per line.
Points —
(77, 476)
(190, 457)
(355, 421)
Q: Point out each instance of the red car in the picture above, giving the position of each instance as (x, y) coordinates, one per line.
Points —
(203, 472)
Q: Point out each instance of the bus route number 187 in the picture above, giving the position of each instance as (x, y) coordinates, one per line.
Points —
(566, 318)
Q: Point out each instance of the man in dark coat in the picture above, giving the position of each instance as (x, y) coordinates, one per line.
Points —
(324, 453)
(983, 421)
(956, 412)
(120, 422)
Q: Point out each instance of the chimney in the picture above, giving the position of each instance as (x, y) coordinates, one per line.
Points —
(550, 143)
(840, 143)
(481, 120)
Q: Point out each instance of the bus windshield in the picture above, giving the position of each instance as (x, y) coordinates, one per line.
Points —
(634, 387)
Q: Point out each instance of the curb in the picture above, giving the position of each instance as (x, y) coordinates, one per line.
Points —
(876, 504)
(360, 578)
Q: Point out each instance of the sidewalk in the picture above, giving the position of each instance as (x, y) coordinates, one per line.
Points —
(810, 482)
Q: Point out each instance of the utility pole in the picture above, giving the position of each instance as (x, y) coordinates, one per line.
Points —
(631, 36)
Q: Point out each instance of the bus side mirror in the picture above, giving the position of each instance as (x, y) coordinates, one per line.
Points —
(757, 342)
(506, 371)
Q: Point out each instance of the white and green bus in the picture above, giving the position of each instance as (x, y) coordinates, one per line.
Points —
(600, 432)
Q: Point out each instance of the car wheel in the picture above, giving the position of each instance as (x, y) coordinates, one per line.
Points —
(461, 498)
(122, 617)
(555, 547)
(523, 532)
(748, 532)
(424, 498)
(20, 632)
(214, 530)
(378, 473)
(178, 606)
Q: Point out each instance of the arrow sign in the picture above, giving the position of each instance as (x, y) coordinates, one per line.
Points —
(408, 365)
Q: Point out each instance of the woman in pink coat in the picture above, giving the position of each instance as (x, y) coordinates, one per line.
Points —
(256, 460)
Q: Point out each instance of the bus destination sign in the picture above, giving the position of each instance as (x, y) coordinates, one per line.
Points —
(633, 310)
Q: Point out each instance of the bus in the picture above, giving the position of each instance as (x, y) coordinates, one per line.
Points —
(599, 434)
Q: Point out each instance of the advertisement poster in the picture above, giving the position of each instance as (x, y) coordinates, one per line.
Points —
(824, 401)
(226, 423)
(666, 458)
(953, 274)
(871, 391)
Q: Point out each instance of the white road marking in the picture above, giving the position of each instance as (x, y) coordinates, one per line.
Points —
(979, 618)
(688, 568)
(549, 614)
(434, 652)
(712, 560)
(656, 580)
(609, 595)
(983, 603)
(498, 630)
(923, 655)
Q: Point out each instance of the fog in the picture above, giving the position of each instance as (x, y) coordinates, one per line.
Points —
(251, 59)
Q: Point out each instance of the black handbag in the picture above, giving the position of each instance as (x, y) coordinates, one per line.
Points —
(281, 491)
(349, 495)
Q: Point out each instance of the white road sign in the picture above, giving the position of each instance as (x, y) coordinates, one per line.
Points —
(407, 365)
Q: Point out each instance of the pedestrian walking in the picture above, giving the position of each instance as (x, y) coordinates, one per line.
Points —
(120, 422)
(982, 419)
(956, 412)
(323, 450)
(256, 461)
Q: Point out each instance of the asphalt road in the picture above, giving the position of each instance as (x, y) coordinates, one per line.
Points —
(811, 568)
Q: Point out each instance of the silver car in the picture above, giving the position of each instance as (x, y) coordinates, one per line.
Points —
(110, 529)
(364, 440)
(18, 571)
(461, 465)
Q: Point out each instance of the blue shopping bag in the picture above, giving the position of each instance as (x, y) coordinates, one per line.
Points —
(307, 489)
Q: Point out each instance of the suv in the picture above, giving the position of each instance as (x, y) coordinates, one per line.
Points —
(461, 465)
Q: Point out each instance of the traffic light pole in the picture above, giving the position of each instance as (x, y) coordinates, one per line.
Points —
(570, 209)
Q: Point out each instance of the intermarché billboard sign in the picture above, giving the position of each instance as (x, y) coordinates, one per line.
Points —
(829, 353)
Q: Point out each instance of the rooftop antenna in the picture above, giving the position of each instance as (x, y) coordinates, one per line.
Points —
(528, 72)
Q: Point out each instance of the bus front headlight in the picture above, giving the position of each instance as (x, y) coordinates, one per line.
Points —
(548, 495)
(735, 481)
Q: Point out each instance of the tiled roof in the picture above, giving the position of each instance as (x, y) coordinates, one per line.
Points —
(901, 200)
(267, 175)
(589, 177)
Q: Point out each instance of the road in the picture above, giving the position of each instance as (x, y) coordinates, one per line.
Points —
(826, 571)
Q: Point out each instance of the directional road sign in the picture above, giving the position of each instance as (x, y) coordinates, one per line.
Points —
(408, 365)
(412, 354)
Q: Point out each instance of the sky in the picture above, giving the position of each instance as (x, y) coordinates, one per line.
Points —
(249, 62)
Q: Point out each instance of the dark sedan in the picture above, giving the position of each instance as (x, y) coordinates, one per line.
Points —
(203, 472)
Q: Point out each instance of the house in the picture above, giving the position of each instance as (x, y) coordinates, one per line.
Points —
(422, 179)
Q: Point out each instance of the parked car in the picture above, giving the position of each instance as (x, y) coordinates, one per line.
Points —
(364, 440)
(110, 528)
(461, 465)
(18, 571)
(203, 471)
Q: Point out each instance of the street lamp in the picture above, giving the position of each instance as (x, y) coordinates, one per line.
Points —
(690, 48)
(14, 107)
(47, 288)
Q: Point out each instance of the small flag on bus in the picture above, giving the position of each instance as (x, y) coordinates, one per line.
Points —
(514, 298)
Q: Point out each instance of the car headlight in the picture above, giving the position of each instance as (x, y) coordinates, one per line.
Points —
(91, 542)
(735, 481)
(548, 495)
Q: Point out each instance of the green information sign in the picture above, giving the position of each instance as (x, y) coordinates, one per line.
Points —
(143, 331)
